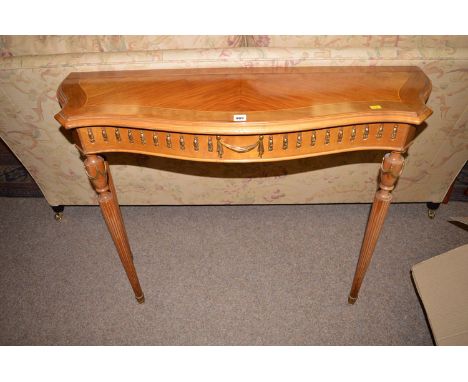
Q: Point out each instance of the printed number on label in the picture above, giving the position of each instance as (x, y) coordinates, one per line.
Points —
(239, 117)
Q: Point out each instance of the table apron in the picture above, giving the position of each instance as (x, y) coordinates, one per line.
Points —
(245, 148)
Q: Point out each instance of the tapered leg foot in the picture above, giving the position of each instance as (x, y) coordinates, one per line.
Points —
(391, 168)
(140, 299)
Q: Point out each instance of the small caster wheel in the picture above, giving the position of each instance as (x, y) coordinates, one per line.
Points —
(431, 213)
(431, 209)
(58, 212)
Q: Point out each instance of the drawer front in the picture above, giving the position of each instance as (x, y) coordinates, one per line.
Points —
(245, 148)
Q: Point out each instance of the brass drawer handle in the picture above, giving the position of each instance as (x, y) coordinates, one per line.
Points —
(240, 149)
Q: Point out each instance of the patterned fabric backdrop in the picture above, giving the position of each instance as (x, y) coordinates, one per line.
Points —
(31, 68)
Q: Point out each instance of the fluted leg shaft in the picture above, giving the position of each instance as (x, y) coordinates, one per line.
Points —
(101, 179)
(391, 168)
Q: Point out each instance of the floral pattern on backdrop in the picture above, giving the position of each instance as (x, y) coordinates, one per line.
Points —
(32, 68)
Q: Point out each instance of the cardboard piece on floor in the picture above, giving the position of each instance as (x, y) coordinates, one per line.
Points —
(463, 219)
(442, 284)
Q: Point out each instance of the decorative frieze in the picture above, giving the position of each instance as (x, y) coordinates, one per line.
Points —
(198, 145)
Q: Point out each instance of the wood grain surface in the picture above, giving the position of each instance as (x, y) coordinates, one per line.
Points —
(274, 100)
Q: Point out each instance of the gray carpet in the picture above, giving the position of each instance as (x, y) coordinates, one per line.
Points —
(215, 275)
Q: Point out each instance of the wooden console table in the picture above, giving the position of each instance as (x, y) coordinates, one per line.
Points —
(244, 115)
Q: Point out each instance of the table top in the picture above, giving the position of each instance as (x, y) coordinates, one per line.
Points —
(262, 100)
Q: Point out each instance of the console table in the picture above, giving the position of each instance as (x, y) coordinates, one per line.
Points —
(244, 115)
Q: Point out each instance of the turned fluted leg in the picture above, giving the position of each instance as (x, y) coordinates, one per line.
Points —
(391, 168)
(98, 172)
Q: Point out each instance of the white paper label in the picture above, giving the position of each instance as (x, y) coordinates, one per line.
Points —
(239, 117)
